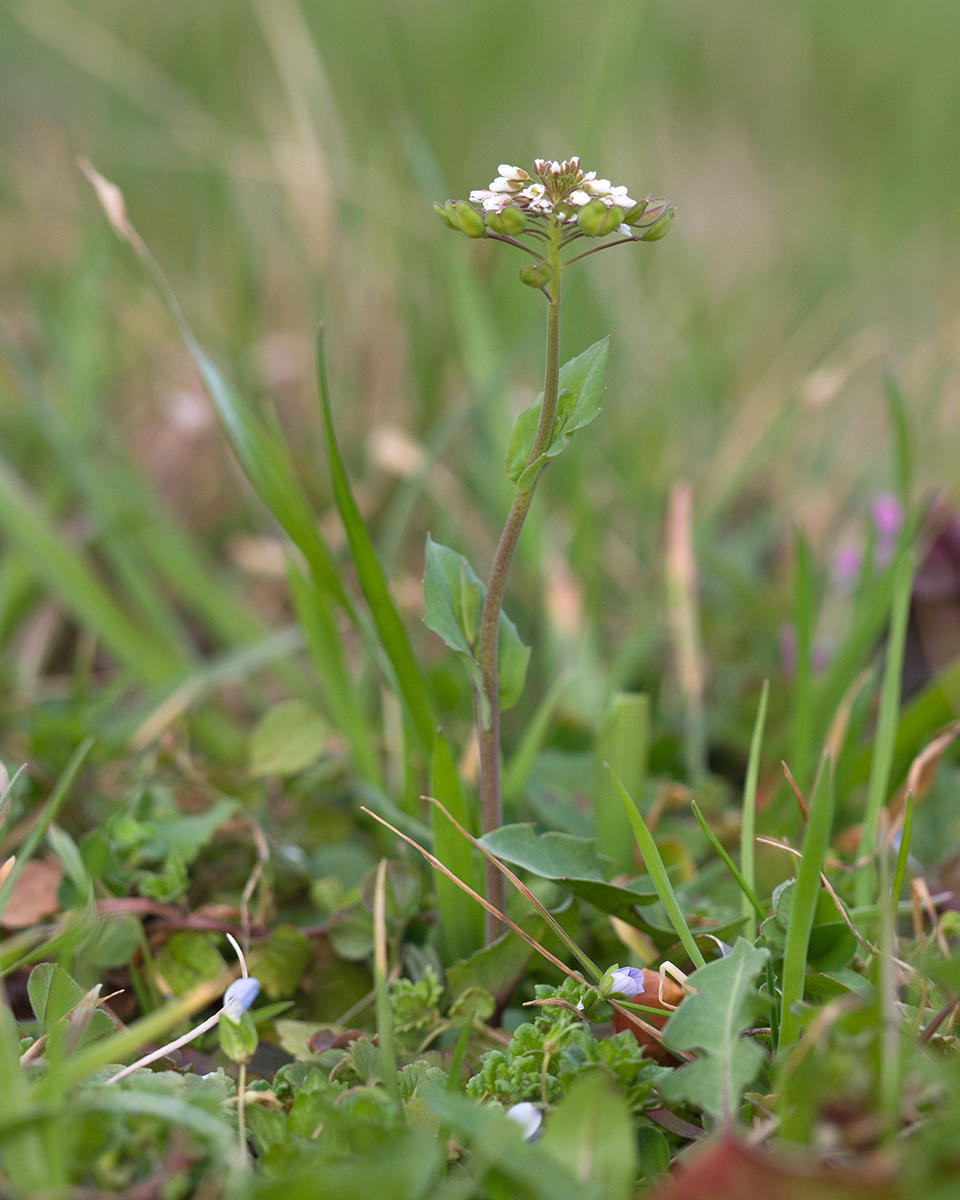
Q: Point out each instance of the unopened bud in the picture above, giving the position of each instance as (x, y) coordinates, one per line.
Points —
(469, 220)
(536, 276)
(445, 213)
(591, 218)
(660, 227)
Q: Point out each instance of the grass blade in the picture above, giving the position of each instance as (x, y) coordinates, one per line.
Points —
(886, 735)
(803, 621)
(313, 612)
(65, 571)
(753, 904)
(815, 843)
(902, 854)
(624, 743)
(748, 819)
(900, 432)
(462, 921)
(380, 973)
(389, 626)
(658, 874)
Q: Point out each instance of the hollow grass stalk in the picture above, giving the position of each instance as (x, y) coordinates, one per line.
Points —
(488, 705)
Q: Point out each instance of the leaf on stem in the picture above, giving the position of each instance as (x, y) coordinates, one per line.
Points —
(454, 598)
(581, 390)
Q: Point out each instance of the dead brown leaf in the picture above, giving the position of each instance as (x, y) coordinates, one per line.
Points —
(34, 895)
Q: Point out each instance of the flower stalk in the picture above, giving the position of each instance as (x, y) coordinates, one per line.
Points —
(556, 206)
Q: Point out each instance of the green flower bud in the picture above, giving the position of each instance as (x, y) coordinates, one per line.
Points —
(660, 227)
(612, 220)
(591, 217)
(469, 220)
(238, 1041)
(654, 210)
(445, 213)
(635, 213)
(536, 276)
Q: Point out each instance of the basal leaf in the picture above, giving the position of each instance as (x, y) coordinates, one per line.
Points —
(572, 861)
(712, 1021)
(581, 390)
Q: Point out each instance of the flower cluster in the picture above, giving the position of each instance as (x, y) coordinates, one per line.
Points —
(559, 183)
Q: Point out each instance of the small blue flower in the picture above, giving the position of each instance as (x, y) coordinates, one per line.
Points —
(238, 997)
(628, 981)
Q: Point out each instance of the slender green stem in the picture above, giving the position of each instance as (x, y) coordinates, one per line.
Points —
(242, 1114)
(597, 249)
(488, 704)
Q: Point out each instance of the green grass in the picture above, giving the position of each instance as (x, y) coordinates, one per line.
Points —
(188, 540)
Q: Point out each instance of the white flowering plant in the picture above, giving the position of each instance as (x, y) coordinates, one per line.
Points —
(541, 214)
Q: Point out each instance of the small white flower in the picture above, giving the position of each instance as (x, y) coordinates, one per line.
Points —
(505, 185)
(528, 1117)
(513, 174)
(490, 200)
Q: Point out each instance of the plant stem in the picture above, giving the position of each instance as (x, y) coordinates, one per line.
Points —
(488, 705)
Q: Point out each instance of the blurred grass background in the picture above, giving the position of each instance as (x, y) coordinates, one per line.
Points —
(279, 158)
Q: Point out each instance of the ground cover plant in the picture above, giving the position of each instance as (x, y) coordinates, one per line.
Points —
(402, 794)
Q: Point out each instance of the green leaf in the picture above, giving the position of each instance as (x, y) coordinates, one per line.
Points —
(461, 917)
(280, 962)
(815, 842)
(183, 836)
(389, 626)
(238, 1040)
(581, 390)
(712, 1020)
(591, 1134)
(187, 959)
(497, 968)
(53, 993)
(497, 1143)
(571, 861)
(289, 737)
(454, 595)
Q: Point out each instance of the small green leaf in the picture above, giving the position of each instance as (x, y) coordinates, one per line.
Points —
(591, 1134)
(53, 993)
(280, 962)
(712, 1021)
(289, 737)
(581, 390)
(187, 959)
(238, 1041)
(453, 594)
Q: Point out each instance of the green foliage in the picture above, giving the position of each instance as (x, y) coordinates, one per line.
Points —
(288, 737)
(591, 1134)
(454, 595)
(713, 1021)
(581, 390)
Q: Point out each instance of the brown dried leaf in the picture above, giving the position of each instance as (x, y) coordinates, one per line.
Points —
(34, 895)
(726, 1168)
